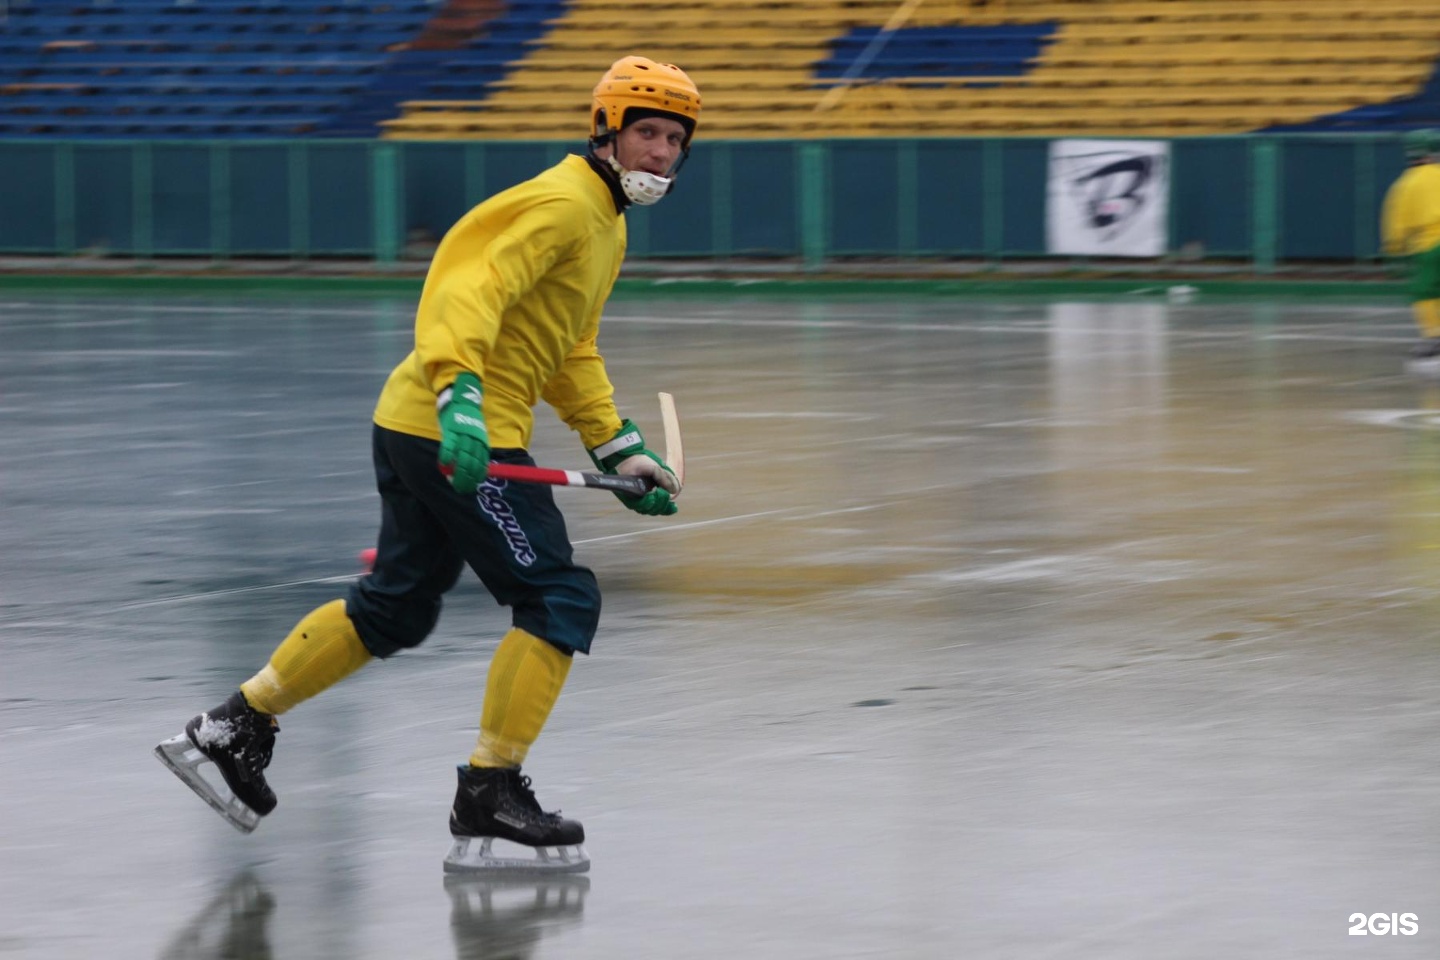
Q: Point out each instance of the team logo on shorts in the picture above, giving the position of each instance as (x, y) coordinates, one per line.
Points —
(491, 497)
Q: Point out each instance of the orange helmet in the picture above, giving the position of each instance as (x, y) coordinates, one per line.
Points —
(632, 82)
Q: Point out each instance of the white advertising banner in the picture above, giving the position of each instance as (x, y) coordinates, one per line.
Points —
(1108, 198)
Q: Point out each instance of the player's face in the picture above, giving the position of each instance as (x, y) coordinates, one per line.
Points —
(652, 144)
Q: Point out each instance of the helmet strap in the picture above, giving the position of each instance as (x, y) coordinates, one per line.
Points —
(604, 138)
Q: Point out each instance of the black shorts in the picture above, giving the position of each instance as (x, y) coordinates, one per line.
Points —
(511, 534)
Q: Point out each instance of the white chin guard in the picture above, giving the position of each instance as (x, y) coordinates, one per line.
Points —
(642, 188)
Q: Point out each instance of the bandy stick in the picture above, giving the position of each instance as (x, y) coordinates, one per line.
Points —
(636, 486)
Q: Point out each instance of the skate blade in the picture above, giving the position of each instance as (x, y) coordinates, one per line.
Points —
(473, 855)
(184, 760)
(468, 883)
(1429, 368)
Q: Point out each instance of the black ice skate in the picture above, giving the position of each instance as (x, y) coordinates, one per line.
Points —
(497, 804)
(238, 740)
(1424, 359)
(1427, 349)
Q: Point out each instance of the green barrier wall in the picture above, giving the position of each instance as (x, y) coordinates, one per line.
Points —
(1265, 200)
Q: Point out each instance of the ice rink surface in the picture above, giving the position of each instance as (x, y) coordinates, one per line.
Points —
(1105, 628)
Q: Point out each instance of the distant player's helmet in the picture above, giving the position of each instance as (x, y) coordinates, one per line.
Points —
(1419, 144)
(632, 89)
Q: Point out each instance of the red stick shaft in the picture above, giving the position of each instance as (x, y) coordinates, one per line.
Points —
(514, 471)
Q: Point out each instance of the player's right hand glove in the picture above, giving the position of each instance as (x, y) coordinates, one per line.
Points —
(464, 441)
(626, 454)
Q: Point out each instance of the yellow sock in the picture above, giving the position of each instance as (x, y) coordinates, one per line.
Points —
(322, 650)
(526, 675)
(1427, 317)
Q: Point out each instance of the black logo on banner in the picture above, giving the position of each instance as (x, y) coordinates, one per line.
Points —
(1112, 188)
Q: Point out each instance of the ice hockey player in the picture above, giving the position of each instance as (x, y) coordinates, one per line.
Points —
(1410, 228)
(508, 316)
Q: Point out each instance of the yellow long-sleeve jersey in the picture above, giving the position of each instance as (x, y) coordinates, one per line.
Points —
(1410, 218)
(514, 295)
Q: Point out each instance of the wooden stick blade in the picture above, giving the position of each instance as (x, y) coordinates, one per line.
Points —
(674, 448)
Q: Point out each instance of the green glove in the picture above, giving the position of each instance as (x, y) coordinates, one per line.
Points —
(626, 453)
(464, 441)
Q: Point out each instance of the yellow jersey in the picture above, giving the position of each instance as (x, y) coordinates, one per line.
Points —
(514, 296)
(1410, 219)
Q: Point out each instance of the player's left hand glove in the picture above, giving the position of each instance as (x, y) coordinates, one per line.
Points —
(626, 454)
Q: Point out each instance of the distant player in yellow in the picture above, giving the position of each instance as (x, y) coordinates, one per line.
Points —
(508, 317)
(1410, 227)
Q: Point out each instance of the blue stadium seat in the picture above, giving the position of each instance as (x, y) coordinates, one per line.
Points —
(869, 52)
(70, 67)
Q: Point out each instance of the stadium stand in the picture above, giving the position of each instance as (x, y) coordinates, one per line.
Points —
(235, 68)
(523, 69)
(775, 68)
